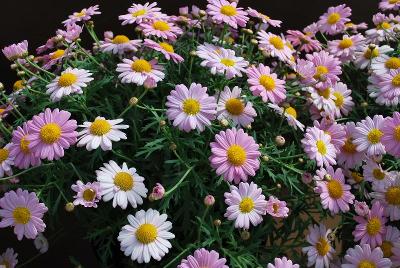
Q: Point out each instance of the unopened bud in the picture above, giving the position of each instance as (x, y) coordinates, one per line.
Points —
(162, 123)
(69, 207)
(265, 158)
(202, 13)
(254, 41)
(279, 141)
(224, 122)
(248, 127)
(209, 200)
(193, 53)
(291, 76)
(245, 235)
(301, 160)
(278, 185)
(328, 177)
(1, 86)
(21, 73)
(133, 101)
(331, 236)
(13, 66)
(138, 30)
(217, 222)
(297, 94)
(173, 146)
(364, 104)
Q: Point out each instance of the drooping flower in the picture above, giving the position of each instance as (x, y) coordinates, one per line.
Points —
(6, 160)
(158, 192)
(361, 208)
(333, 21)
(277, 208)
(139, 13)
(289, 113)
(140, 71)
(362, 256)
(389, 5)
(83, 15)
(8, 259)
(320, 252)
(165, 48)
(282, 263)
(223, 11)
(368, 135)
(389, 197)
(16, 51)
(203, 258)
(87, 194)
(118, 44)
(266, 20)
(161, 28)
(274, 45)
(41, 243)
(391, 134)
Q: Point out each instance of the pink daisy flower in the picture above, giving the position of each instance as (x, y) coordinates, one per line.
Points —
(375, 90)
(389, 196)
(389, 86)
(374, 173)
(317, 145)
(24, 212)
(264, 18)
(277, 208)
(289, 113)
(370, 229)
(320, 252)
(71, 32)
(266, 84)
(368, 53)
(391, 245)
(327, 69)
(363, 256)
(274, 45)
(118, 44)
(9, 258)
(333, 21)
(334, 130)
(203, 258)
(16, 51)
(391, 134)
(223, 11)
(354, 28)
(50, 133)
(345, 48)
(87, 194)
(161, 28)
(389, 5)
(234, 155)
(6, 160)
(348, 156)
(165, 48)
(139, 13)
(322, 98)
(191, 108)
(246, 205)
(368, 135)
(84, 15)
(140, 71)
(303, 41)
(282, 263)
(343, 101)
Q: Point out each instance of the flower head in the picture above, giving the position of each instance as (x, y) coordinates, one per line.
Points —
(203, 258)
(333, 21)
(317, 144)
(6, 160)
(119, 44)
(83, 15)
(9, 258)
(139, 13)
(320, 251)
(391, 134)
(389, 196)
(140, 71)
(160, 28)
(16, 51)
(165, 48)
(282, 263)
(87, 194)
(362, 256)
(290, 113)
(274, 45)
(223, 11)
(277, 208)
(368, 135)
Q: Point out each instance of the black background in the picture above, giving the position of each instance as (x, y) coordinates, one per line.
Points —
(36, 20)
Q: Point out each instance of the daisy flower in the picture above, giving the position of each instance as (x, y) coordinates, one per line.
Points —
(87, 194)
(9, 258)
(231, 106)
(343, 100)
(84, 15)
(191, 108)
(223, 11)
(289, 113)
(322, 98)
(146, 236)
(101, 132)
(362, 256)
(345, 48)
(335, 193)
(367, 53)
(118, 44)
(71, 33)
(391, 245)
(370, 229)
(41, 243)
(16, 51)
(160, 28)
(334, 20)
(368, 135)
(266, 84)
(374, 173)
(389, 196)
(389, 5)
(334, 130)
(326, 69)
(246, 205)
(354, 28)
(71, 81)
(50, 133)
(6, 160)
(384, 64)
(388, 88)
(274, 45)
(24, 212)
(264, 18)
(303, 41)
(165, 48)
(19, 149)
(317, 145)
(139, 13)
(123, 185)
(140, 71)
(203, 258)
(234, 155)
(348, 156)
(55, 57)
(277, 208)
(391, 134)
(320, 252)
(282, 263)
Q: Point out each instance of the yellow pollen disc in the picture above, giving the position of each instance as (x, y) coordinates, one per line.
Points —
(100, 127)
(366, 264)
(378, 174)
(21, 215)
(228, 62)
(392, 195)
(24, 145)
(236, 155)
(246, 205)
(324, 93)
(3, 154)
(267, 82)
(67, 79)
(396, 133)
(335, 189)
(120, 39)
(57, 54)
(124, 181)
(339, 99)
(345, 43)
(374, 136)
(357, 177)
(387, 249)
(141, 66)
(374, 226)
(333, 18)
(191, 106)
(392, 63)
(321, 147)
(228, 10)
(146, 233)
(322, 246)
(370, 54)
(161, 25)
(291, 111)
(50, 133)
(18, 85)
(349, 147)
(80, 14)
(167, 47)
(394, 2)
(320, 71)
(277, 42)
(2, 110)
(384, 26)
(396, 81)
(89, 195)
(234, 106)
(275, 208)
(6, 264)
(138, 13)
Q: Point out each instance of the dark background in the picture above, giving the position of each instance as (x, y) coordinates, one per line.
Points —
(37, 20)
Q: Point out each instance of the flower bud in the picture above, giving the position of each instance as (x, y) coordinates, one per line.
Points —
(364, 104)
(278, 185)
(224, 122)
(361, 208)
(133, 101)
(193, 53)
(162, 123)
(209, 200)
(331, 236)
(13, 66)
(217, 222)
(279, 141)
(328, 177)
(301, 160)
(265, 158)
(306, 178)
(21, 73)
(41, 243)
(291, 76)
(248, 127)
(202, 13)
(157, 193)
(254, 41)
(245, 235)
(1, 86)
(69, 207)
(173, 146)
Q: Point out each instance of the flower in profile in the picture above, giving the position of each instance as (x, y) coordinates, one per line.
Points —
(140, 71)
(146, 236)
(71, 32)
(234, 155)
(8, 259)
(139, 13)
(101, 132)
(123, 185)
(389, 197)
(223, 11)
(87, 194)
(304, 42)
(374, 173)
(326, 69)
(389, 5)
(83, 15)
(118, 44)
(71, 81)
(391, 134)
(231, 106)
(345, 48)
(24, 212)
(282, 263)
(363, 256)
(161, 28)
(289, 113)
(334, 20)
(361, 208)
(367, 53)
(41, 243)
(277, 208)
(203, 258)
(191, 108)
(266, 20)
(343, 101)
(246, 205)
(55, 57)
(368, 135)
(6, 160)
(320, 252)
(317, 145)
(274, 45)
(165, 48)
(348, 156)
(16, 51)
(158, 192)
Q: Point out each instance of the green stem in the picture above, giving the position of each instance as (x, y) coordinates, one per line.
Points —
(298, 171)
(130, 106)
(178, 257)
(39, 68)
(26, 70)
(179, 182)
(3, 127)
(25, 171)
(201, 223)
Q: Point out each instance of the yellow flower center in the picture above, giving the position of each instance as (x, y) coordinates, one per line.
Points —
(392, 195)
(267, 82)
(2, 110)
(394, 2)
(146, 233)
(384, 26)
(320, 71)
(236, 155)
(349, 147)
(335, 189)
(339, 99)
(67, 79)
(141, 66)
(228, 10)
(138, 13)
(89, 195)
(3, 154)
(275, 207)
(396, 133)
(246, 205)
(357, 177)
(191, 106)
(277, 42)
(21, 215)
(321, 147)
(374, 226)
(57, 54)
(80, 14)
(18, 85)
(324, 93)
(100, 127)
(5, 263)
(161, 25)
(392, 63)
(345, 43)
(50, 133)
(378, 174)
(396, 81)
(387, 249)
(366, 264)
(234, 106)
(124, 181)
(370, 54)
(120, 39)
(374, 136)
(291, 111)
(24, 145)
(333, 18)
(167, 47)
(322, 246)
(228, 62)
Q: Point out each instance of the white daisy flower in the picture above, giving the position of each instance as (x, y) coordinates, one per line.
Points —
(368, 135)
(367, 53)
(343, 100)
(274, 45)
(389, 197)
(323, 99)
(146, 236)
(384, 63)
(118, 44)
(320, 252)
(374, 173)
(121, 185)
(140, 71)
(6, 161)
(72, 80)
(290, 114)
(101, 132)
